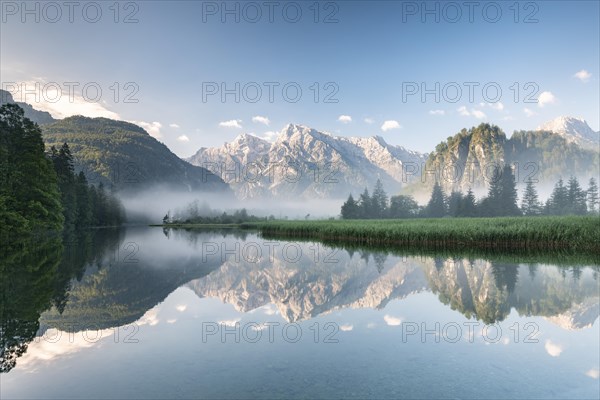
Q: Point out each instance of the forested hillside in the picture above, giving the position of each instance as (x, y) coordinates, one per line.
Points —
(125, 157)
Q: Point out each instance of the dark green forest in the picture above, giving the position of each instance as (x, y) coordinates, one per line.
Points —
(40, 190)
(501, 201)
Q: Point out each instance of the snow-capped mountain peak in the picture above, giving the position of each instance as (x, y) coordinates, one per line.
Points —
(574, 130)
(345, 164)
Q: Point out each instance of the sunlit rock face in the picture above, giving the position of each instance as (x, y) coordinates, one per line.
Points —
(303, 162)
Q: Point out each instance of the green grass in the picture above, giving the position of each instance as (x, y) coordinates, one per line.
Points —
(570, 233)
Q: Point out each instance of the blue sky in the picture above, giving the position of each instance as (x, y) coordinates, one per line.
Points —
(368, 57)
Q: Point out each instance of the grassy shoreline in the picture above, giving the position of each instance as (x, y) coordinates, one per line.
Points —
(572, 233)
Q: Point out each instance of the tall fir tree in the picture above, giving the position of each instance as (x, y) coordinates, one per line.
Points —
(530, 204)
(576, 197)
(469, 204)
(29, 195)
(350, 209)
(365, 205)
(455, 204)
(558, 203)
(508, 193)
(592, 196)
(64, 167)
(84, 205)
(379, 200)
(436, 207)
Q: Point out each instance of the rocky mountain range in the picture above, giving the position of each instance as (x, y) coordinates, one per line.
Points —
(287, 167)
(305, 163)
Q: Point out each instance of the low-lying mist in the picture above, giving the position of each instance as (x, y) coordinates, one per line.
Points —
(151, 205)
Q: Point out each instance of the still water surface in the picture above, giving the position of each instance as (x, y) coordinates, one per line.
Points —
(147, 313)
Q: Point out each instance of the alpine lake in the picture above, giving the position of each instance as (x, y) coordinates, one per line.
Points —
(147, 312)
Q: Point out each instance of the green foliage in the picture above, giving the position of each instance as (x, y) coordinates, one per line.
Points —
(41, 192)
(502, 195)
(364, 204)
(577, 197)
(530, 205)
(574, 233)
(379, 201)
(29, 192)
(83, 205)
(202, 214)
(436, 207)
(124, 157)
(403, 207)
(592, 196)
(350, 209)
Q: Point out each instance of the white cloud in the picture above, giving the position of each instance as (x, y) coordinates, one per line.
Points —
(463, 111)
(389, 125)
(346, 328)
(437, 112)
(261, 120)
(546, 98)
(183, 138)
(181, 307)
(269, 136)
(473, 113)
(171, 321)
(230, 322)
(149, 318)
(392, 321)
(478, 114)
(153, 128)
(56, 344)
(345, 119)
(270, 309)
(593, 373)
(56, 100)
(174, 126)
(497, 106)
(583, 75)
(528, 112)
(553, 349)
(233, 123)
(369, 120)
(508, 118)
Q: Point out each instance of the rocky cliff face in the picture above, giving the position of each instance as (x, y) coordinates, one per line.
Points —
(467, 159)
